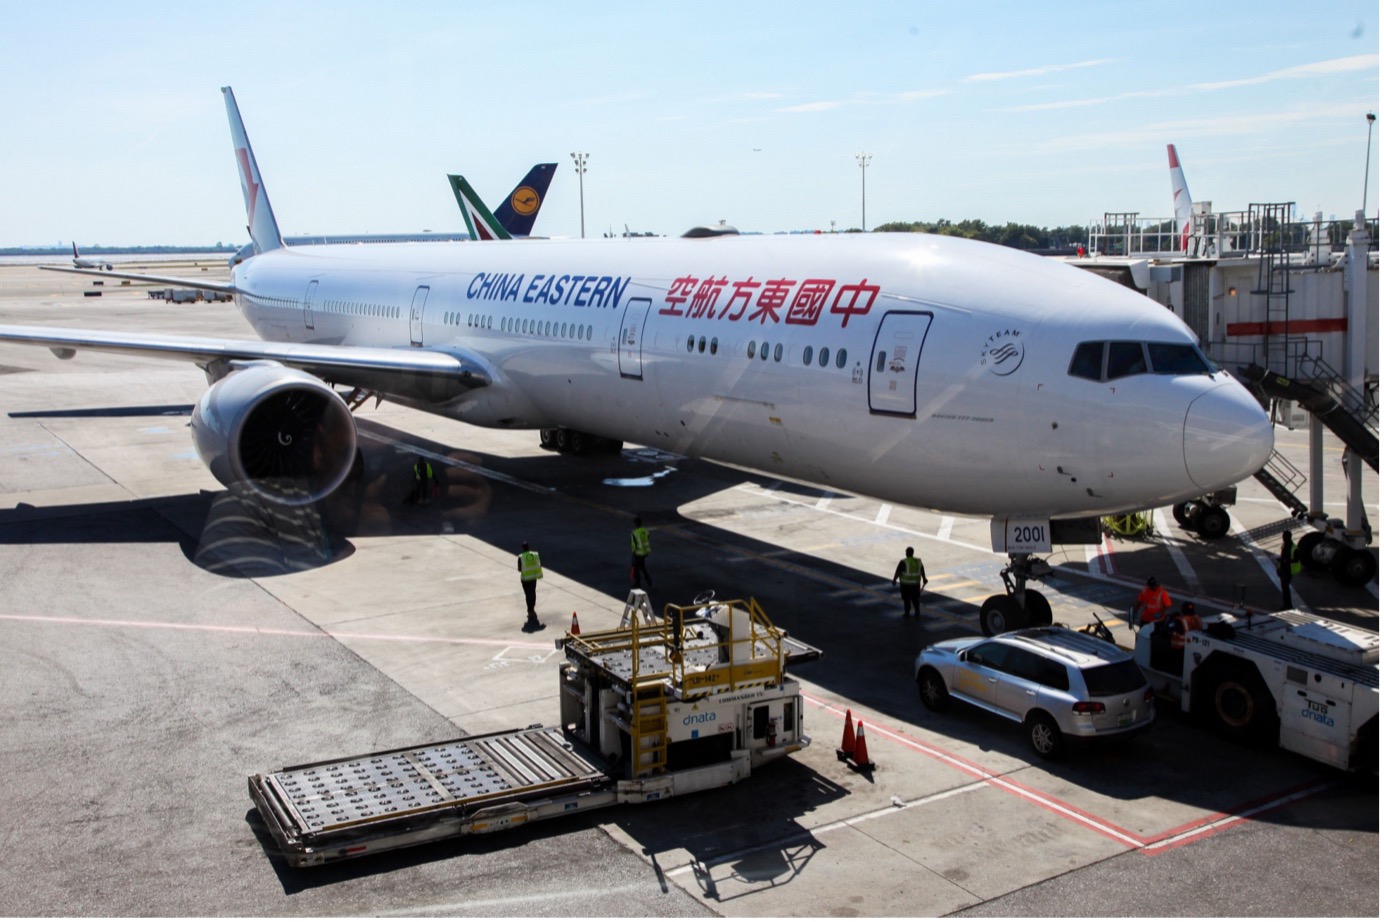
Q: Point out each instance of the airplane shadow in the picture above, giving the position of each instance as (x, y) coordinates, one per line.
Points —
(582, 528)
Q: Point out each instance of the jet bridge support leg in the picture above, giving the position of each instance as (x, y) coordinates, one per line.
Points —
(1020, 606)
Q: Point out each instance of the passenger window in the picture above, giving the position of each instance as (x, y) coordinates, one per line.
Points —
(749, 353)
(1177, 359)
(1052, 674)
(822, 356)
(840, 358)
(1087, 361)
(701, 344)
(807, 355)
(713, 345)
(988, 654)
(764, 351)
(690, 341)
(778, 352)
(879, 362)
(1125, 359)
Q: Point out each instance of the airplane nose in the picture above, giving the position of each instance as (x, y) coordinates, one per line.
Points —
(1227, 437)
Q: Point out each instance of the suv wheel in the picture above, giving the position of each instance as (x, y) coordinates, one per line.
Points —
(1044, 735)
(932, 690)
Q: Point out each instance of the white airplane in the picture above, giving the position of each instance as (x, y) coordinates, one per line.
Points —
(923, 370)
(83, 262)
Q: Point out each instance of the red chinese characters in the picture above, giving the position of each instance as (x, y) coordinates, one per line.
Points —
(780, 300)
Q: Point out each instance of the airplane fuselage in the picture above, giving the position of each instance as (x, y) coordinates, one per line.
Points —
(923, 370)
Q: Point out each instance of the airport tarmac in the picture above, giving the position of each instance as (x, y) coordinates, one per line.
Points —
(143, 688)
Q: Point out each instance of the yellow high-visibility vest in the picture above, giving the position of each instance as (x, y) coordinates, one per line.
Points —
(530, 568)
(639, 541)
(912, 571)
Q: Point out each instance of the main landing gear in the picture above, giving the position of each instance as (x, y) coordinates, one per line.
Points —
(1020, 606)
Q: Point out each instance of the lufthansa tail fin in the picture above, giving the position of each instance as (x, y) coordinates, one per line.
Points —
(480, 223)
(1182, 201)
(264, 230)
(517, 213)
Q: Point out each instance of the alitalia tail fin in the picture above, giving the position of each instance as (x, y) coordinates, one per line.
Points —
(264, 230)
(1182, 201)
(480, 223)
(516, 214)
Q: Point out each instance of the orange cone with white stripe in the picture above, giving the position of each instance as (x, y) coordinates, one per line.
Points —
(862, 755)
(576, 628)
(847, 749)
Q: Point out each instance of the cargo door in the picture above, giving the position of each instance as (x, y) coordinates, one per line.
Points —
(895, 362)
(632, 338)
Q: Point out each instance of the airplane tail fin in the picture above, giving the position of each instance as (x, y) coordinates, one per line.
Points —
(480, 223)
(1182, 201)
(517, 213)
(264, 230)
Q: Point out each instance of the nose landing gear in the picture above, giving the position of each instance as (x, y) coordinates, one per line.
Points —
(1020, 606)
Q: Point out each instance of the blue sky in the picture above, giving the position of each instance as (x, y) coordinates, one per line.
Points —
(114, 130)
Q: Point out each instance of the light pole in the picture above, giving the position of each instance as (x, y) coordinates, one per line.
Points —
(1369, 137)
(864, 160)
(580, 160)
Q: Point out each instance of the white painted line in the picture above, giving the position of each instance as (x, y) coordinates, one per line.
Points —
(1184, 566)
(824, 501)
(882, 517)
(945, 529)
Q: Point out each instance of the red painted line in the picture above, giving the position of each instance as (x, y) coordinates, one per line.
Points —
(1278, 327)
(276, 632)
(1175, 837)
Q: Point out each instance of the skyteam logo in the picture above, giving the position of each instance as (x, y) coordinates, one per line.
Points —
(1003, 353)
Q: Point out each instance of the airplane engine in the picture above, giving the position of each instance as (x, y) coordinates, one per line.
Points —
(281, 431)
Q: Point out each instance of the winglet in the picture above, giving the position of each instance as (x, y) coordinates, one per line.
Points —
(1182, 201)
(517, 213)
(264, 230)
(480, 223)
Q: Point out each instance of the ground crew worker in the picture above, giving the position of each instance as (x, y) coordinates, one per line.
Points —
(910, 579)
(1153, 603)
(530, 572)
(423, 481)
(1288, 567)
(639, 553)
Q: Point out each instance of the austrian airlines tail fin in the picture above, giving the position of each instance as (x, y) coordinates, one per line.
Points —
(517, 213)
(480, 223)
(1182, 201)
(264, 230)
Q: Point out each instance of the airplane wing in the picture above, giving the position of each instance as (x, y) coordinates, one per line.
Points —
(419, 374)
(206, 284)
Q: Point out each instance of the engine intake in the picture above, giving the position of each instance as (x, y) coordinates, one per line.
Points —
(282, 432)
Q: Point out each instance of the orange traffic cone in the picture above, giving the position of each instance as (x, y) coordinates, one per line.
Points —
(576, 628)
(862, 755)
(847, 749)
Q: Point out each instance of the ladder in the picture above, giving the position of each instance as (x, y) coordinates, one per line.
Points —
(638, 610)
(648, 727)
(1283, 480)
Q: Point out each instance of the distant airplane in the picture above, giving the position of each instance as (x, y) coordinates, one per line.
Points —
(82, 262)
(920, 369)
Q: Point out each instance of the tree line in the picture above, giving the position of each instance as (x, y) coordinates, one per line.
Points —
(1019, 236)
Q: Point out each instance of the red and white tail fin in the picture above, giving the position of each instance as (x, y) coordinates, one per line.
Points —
(1182, 201)
(264, 230)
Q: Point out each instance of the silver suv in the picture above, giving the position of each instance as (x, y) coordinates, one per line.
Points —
(1057, 682)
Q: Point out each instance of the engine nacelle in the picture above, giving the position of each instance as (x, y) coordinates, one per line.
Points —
(280, 431)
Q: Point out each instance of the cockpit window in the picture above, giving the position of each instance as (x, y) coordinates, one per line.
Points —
(1125, 359)
(1178, 359)
(1088, 361)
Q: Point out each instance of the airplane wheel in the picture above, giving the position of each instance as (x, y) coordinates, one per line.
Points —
(1039, 611)
(1306, 552)
(1353, 567)
(1213, 523)
(1000, 613)
(546, 439)
(1183, 513)
(578, 443)
(562, 439)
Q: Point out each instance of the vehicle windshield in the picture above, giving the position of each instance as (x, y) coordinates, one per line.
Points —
(1113, 679)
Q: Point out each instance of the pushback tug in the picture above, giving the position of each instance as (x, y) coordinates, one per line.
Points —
(656, 707)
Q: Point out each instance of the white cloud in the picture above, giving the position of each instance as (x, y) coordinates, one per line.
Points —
(1037, 71)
